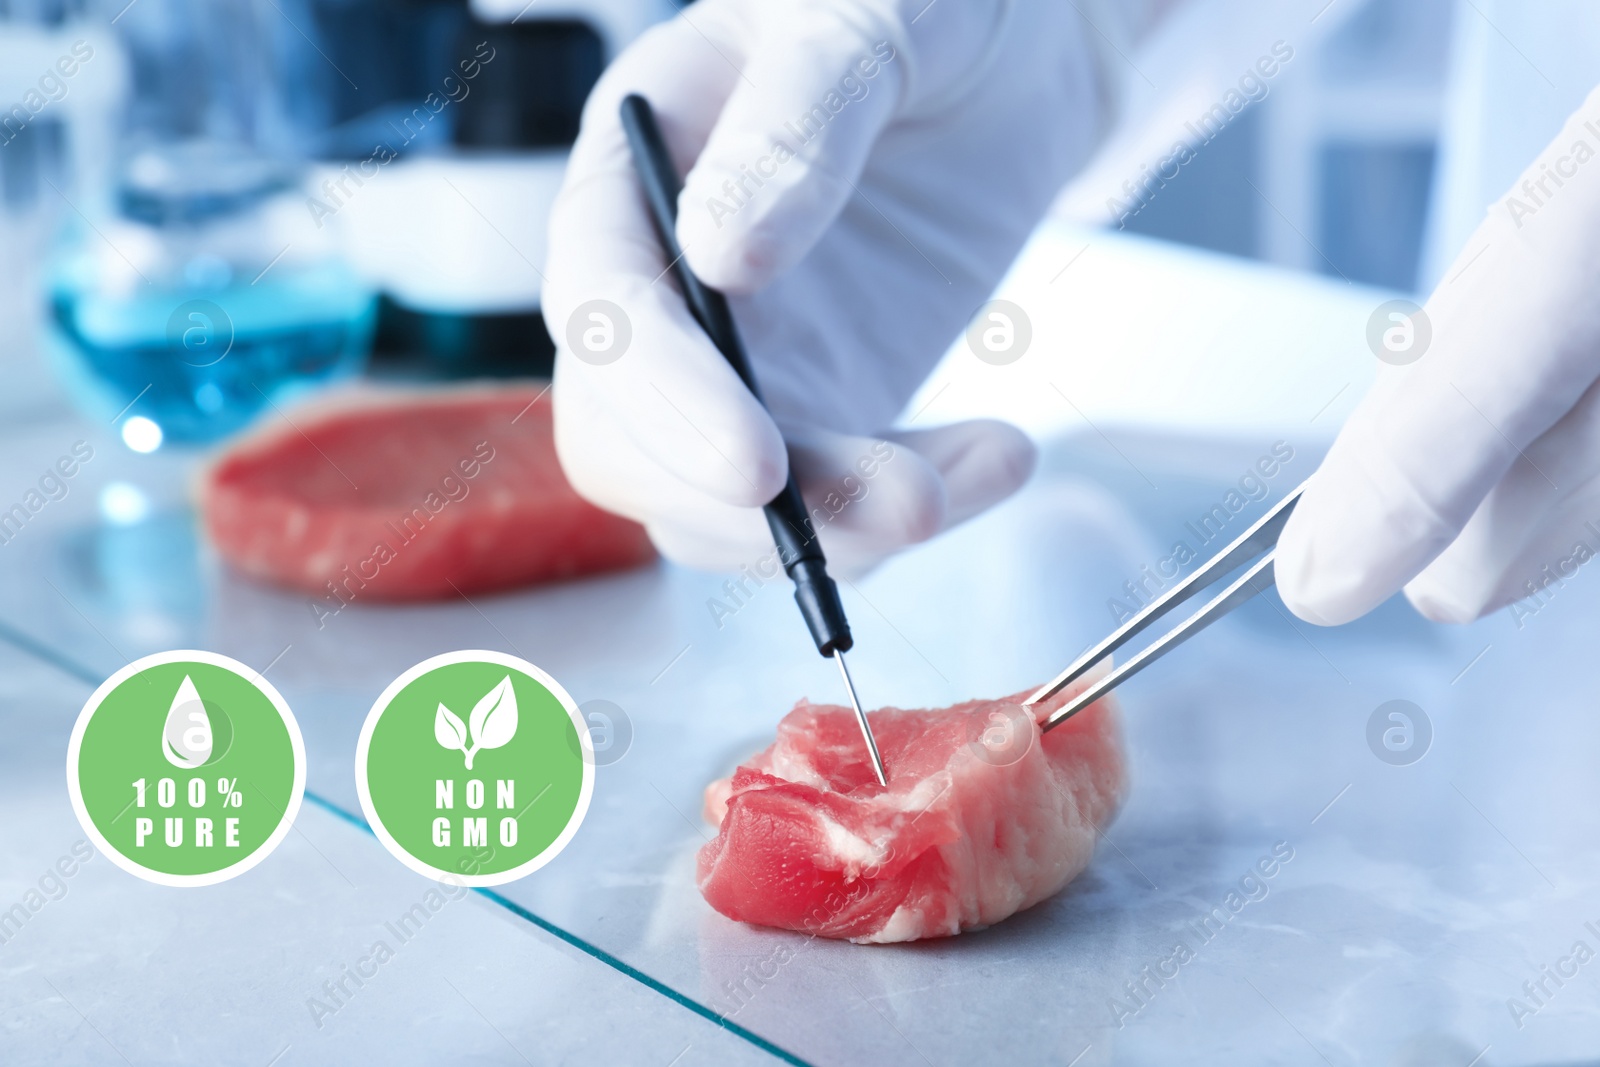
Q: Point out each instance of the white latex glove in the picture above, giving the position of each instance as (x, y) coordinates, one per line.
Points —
(1463, 475)
(942, 131)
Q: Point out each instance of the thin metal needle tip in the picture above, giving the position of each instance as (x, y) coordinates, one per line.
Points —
(861, 717)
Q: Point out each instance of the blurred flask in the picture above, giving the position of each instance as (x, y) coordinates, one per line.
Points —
(61, 80)
(189, 293)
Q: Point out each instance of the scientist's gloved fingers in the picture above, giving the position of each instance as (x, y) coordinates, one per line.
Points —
(1515, 342)
(629, 355)
(868, 497)
(790, 143)
(982, 462)
(1530, 534)
(865, 515)
(821, 83)
(1359, 533)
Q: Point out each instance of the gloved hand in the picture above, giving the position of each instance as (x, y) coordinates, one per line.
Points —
(860, 175)
(1464, 475)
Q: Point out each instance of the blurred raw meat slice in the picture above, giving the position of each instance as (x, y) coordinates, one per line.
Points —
(411, 496)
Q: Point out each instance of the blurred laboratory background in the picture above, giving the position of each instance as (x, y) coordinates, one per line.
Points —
(321, 188)
(311, 188)
(1370, 155)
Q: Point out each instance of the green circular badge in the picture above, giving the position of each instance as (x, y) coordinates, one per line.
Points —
(474, 767)
(186, 768)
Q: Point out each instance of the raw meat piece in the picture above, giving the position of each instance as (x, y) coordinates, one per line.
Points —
(409, 496)
(983, 817)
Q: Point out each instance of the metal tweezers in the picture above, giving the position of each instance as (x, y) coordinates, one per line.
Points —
(1259, 538)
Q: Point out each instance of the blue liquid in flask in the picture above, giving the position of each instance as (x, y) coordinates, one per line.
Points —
(202, 362)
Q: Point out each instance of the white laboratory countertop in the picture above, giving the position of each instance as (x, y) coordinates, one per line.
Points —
(1418, 900)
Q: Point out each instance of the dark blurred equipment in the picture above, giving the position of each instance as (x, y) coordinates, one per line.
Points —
(471, 109)
(530, 97)
(442, 344)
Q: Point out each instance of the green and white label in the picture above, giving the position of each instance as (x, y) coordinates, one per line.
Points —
(475, 767)
(186, 768)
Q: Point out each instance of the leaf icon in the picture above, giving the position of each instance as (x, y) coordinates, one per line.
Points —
(493, 721)
(186, 735)
(449, 730)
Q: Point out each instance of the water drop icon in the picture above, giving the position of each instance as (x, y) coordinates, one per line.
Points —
(186, 738)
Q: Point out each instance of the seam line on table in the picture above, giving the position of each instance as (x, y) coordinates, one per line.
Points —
(78, 671)
(38, 650)
(592, 949)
